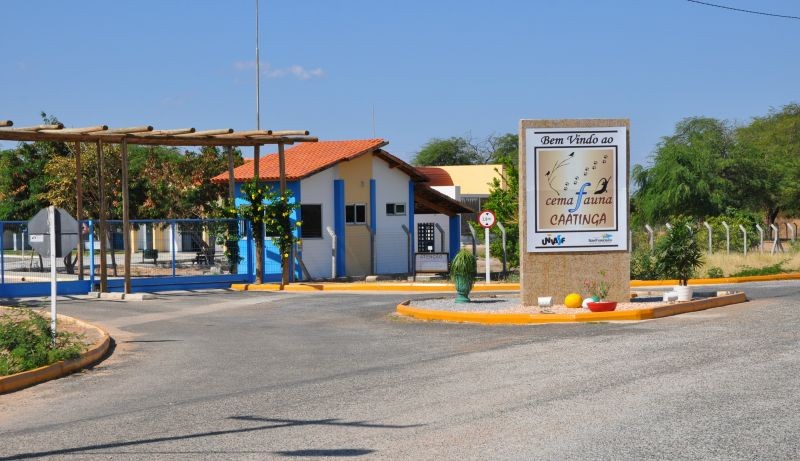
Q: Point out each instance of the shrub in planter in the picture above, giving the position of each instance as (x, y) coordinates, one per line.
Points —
(462, 271)
(677, 254)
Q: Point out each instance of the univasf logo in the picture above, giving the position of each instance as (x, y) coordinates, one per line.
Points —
(558, 240)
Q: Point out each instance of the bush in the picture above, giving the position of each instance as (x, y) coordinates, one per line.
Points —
(748, 271)
(714, 272)
(643, 266)
(26, 343)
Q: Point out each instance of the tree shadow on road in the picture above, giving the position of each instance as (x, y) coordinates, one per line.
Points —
(273, 423)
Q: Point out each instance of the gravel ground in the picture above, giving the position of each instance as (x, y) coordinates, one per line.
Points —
(508, 304)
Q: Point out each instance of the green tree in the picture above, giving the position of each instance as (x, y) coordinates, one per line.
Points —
(691, 173)
(503, 197)
(767, 163)
(23, 182)
(450, 151)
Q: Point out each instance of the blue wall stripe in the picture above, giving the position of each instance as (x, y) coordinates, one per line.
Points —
(455, 235)
(373, 206)
(411, 219)
(339, 227)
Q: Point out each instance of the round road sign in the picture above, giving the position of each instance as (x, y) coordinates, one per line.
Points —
(486, 219)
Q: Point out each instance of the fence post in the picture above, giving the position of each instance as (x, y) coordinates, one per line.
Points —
(172, 244)
(760, 238)
(776, 239)
(2, 254)
(727, 237)
(710, 246)
(505, 257)
(650, 236)
(744, 237)
(441, 236)
(410, 251)
(91, 254)
(333, 250)
(474, 238)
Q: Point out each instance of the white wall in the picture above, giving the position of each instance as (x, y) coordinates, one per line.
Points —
(443, 221)
(318, 189)
(391, 245)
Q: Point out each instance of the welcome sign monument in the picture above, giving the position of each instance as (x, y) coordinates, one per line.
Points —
(574, 207)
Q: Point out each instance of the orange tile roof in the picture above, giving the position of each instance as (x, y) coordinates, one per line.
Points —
(304, 159)
(438, 176)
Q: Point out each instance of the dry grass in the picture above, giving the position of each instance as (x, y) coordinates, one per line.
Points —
(735, 262)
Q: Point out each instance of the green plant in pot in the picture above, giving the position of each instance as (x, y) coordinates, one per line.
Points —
(462, 271)
(678, 256)
(598, 293)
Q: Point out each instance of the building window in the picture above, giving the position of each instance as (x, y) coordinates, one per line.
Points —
(311, 217)
(395, 209)
(355, 213)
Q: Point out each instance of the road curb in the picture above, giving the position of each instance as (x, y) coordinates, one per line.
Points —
(60, 369)
(424, 287)
(489, 318)
(449, 287)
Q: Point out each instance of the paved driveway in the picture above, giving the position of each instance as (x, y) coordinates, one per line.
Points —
(227, 375)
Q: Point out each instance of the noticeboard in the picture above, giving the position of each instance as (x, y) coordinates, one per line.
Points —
(66, 232)
(431, 262)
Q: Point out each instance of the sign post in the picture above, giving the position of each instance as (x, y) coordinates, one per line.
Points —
(487, 219)
(54, 233)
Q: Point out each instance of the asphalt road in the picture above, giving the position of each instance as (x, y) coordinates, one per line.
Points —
(226, 375)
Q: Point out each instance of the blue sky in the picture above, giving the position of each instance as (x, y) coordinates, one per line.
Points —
(429, 68)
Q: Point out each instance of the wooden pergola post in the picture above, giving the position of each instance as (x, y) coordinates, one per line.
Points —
(145, 135)
(282, 179)
(79, 206)
(258, 231)
(126, 223)
(102, 231)
(231, 178)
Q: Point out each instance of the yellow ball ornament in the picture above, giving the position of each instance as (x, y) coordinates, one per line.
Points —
(573, 300)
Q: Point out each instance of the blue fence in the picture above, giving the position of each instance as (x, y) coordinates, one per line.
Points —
(172, 254)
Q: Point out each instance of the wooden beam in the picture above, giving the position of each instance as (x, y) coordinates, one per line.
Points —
(57, 126)
(84, 130)
(169, 132)
(244, 133)
(433, 206)
(289, 132)
(207, 133)
(145, 138)
(128, 130)
(6, 123)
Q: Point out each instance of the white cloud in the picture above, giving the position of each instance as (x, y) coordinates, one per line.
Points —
(268, 71)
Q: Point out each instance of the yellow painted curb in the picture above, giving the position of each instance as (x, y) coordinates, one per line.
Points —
(717, 281)
(29, 378)
(447, 287)
(489, 318)
(425, 287)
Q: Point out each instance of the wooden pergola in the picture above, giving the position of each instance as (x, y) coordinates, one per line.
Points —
(146, 135)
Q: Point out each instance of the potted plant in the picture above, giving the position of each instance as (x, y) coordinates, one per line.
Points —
(462, 271)
(598, 290)
(678, 256)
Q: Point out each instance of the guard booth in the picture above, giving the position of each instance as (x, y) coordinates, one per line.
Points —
(437, 229)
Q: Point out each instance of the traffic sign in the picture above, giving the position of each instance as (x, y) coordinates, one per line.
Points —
(487, 219)
(66, 232)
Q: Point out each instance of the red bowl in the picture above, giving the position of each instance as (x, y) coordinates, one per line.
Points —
(602, 306)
